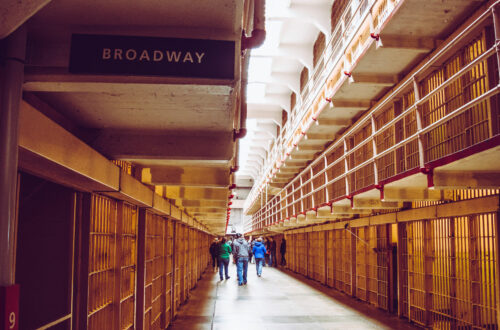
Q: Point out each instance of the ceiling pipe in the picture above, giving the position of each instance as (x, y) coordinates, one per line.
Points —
(259, 27)
(255, 40)
(236, 166)
(242, 131)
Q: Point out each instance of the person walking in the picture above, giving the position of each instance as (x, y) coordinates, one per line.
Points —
(241, 253)
(250, 253)
(283, 251)
(214, 252)
(271, 248)
(224, 253)
(259, 251)
(273, 255)
(265, 241)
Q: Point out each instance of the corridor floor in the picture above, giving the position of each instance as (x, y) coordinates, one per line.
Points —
(277, 300)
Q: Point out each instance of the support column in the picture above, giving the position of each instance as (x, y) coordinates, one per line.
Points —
(496, 26)
(141, 269)
(12, 76)
(493, 64)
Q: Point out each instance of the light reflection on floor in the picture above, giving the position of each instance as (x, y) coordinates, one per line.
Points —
(277, 300)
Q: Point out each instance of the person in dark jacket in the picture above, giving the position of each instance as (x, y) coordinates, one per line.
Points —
(250, 254)
(271, 248)
(259, 251)
(283, 251)
(224, 253)
(214, 252)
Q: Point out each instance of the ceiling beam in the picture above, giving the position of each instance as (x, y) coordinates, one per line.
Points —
(261, 115)
(13, 13)
(466, 180)
(414, 194)
(195, 193)
(118, 144)
(375, 79)
(340, 104)
(186, 176)
(317, 15)
(376, 204)
(300, 52)
(202, 203)
(270, 129)
(408, 42)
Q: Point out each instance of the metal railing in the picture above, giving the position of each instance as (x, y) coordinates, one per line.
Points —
(352, 19)
(435, 120)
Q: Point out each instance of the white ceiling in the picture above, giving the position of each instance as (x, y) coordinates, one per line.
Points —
(275, 70)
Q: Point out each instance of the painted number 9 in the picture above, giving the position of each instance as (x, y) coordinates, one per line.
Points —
(12, 320)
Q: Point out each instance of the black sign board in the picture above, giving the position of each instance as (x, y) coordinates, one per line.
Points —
(152, 56)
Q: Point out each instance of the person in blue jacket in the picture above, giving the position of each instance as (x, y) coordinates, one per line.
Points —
(259, 252)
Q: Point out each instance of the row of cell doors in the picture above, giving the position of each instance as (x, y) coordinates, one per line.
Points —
(74, 273)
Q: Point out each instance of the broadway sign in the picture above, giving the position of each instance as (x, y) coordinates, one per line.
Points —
(151, 56)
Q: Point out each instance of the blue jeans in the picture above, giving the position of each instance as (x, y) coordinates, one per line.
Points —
(258, 265)
(242, 265)
(223, 263)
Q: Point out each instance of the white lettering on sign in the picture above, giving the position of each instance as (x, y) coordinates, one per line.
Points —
(144, 56)
(157, 56)
(131, 55)
(106, 53)
(173, 55)
(187, 57)
(199, 56)
(118, 54)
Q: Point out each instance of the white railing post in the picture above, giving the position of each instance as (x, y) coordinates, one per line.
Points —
(327, 195)
(346, 169)
(312, 188)
(374, 146)
(301, 195)
(495, 11)
(418, 112)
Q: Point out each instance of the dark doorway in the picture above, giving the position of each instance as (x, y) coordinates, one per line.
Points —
(44, 253)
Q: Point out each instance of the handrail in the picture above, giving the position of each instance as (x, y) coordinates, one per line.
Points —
(325, 70)
(426, 66)
(403, 86)
(495, 90)
(479, 20)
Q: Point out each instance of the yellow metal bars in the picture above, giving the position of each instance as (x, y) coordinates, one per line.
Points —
(128, 264)
(122, 294)
(446, 267)
(169, 271)
(101, 263)
(155, 271)
(451, 113)
(452, 264)
(471, 126)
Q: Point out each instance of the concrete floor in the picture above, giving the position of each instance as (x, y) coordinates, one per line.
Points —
(277, 300)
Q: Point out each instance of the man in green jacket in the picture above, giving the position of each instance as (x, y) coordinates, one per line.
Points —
(224, 253)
